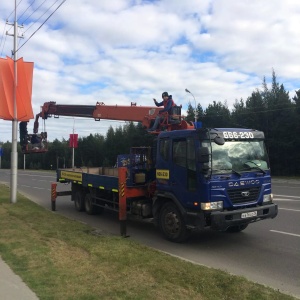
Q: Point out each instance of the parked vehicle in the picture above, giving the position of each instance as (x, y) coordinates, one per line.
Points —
(191, 179)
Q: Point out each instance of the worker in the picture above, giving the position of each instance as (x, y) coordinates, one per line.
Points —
(167, 103)
(36, 142)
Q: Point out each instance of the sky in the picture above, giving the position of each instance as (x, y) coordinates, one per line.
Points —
(123, 51)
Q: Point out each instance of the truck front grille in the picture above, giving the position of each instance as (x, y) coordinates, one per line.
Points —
(244, 195)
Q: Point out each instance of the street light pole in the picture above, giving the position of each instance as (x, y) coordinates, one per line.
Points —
(14, 153)
(14, 142)
(195, 109)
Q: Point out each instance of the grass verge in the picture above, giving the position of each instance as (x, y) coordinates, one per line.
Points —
(62, 259)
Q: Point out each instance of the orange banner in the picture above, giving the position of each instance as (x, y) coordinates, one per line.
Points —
(24, 89)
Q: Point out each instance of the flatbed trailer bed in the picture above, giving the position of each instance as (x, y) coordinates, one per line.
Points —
(102, 178)
(94, 189)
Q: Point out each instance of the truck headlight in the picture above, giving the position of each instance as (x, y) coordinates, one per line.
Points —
(218, 205)
(268, 198)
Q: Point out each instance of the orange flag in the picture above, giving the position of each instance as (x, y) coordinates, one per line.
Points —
(24, 89)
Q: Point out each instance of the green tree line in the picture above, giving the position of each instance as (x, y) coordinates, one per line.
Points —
(93, 150)
(269, 109)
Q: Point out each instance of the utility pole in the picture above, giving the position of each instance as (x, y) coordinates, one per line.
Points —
(14, 151)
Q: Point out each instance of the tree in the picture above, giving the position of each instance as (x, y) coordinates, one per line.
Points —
(238, 113)
(110, 146)
(279, 126)
(57, 154)
(191, 112)
(217, 115)
(199, 112)
(90, 151)
(255, 116)
(296, 128)
(5, 160)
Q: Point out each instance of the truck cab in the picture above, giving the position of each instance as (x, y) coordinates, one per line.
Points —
(217, 178)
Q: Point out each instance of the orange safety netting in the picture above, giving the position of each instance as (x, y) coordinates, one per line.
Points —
(24, 89)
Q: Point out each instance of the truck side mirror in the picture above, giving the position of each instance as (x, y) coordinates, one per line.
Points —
(203, 155)
(219, 140)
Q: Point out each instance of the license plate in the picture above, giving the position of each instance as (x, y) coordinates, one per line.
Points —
(249, 214)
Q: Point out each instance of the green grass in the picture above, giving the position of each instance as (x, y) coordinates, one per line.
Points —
(62, 259)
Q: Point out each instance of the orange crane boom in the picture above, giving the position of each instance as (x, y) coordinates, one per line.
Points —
(144, 114)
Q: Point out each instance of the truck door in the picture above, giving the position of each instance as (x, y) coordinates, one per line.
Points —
(183, 176)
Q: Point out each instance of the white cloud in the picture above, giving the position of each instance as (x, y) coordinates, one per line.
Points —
(124, 51)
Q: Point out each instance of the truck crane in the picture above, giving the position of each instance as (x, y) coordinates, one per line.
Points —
(37, 142)
(191, 179)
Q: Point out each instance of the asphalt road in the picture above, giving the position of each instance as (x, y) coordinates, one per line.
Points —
(267, 252)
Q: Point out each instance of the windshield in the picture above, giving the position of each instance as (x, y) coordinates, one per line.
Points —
(239, 156)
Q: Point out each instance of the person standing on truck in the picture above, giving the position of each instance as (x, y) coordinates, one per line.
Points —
(167, 103)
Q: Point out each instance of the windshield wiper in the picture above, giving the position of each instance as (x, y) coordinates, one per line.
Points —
(236, 172)
(255, 166)
(226, 170)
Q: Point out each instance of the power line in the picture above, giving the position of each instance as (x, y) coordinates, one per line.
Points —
(2, 37)
(42, 24)
(6, 24)
(5, 36)
(14, 10)
(40, 17)
(34, 11)
(4, 40)
(25, 10)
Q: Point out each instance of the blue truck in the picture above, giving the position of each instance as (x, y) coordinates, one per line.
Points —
(190, 179)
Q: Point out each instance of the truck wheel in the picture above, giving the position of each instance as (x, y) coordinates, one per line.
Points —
(237, 228)
(171, 223)
(89, 207)
(79, 201)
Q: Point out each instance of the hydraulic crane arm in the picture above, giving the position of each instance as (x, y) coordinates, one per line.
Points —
(143, 114)
(37, 142)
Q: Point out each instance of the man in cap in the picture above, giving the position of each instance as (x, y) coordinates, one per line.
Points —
(167, 103)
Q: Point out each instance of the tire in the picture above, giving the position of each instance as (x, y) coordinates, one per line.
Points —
(172, 224)
(237, 228)
(90, 209)
(79, 201)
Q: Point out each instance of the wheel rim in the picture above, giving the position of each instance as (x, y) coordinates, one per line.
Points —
(78, 202)
(88, 203)
(172, 223)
